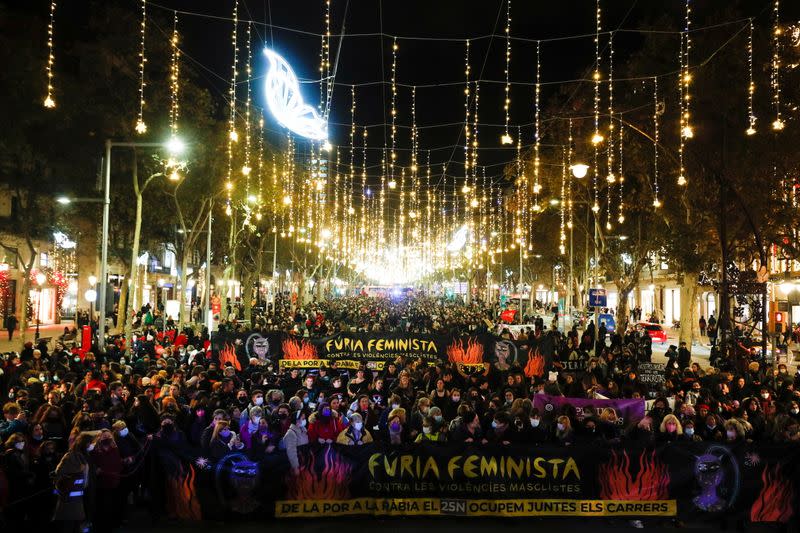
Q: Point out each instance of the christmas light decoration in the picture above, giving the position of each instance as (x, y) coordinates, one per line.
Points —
(506, 138)
(49, 102)
(775, 72)
(686, 131)
(537, 131)
(141, 127)
(656, 201)
(286, 103)
(751, 86)
(232, 135)
(174, 76)
(246, 169)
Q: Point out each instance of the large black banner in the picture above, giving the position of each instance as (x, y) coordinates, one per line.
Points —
(692, 481)
(349, 350)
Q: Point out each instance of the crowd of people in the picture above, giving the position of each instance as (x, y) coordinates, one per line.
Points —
(81, 421)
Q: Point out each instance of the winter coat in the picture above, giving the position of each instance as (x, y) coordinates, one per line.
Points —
(72, 479)
(295, 436)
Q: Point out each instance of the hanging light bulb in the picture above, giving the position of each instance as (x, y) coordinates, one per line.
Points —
(246, 170)
(597, 138)
(656, 203)
(392, 184)
(595, 208)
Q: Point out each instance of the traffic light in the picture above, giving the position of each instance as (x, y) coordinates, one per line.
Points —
(778, 322)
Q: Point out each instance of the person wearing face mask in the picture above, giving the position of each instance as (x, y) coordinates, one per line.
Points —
(44, 501)
(712, 429)
(295, 436)
(224, 441)
(396, 427)
(324, 425)
(355, 434)
(169, 432)
(420, 411)
(429, 432)
(564, 433)
(129, 449)
(16, 464)
(250, 427)
(794, 410)
(72, 481)
(450, 409)
(690, 432)
(670, 429)
(500, 431)
(107, 462)
(734, 431)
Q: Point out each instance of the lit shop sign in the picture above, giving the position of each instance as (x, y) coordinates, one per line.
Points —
(286, 102)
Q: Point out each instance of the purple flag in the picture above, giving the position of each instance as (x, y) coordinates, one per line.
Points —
(627, 410)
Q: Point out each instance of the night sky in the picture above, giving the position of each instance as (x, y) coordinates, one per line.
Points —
(431, 36)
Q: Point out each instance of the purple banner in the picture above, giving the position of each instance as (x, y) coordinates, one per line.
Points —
(627, 410)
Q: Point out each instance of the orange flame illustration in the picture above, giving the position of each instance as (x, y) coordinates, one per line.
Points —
(228, 355)
(650, 483)
(181, 498)
(333, 483)
(774, 503)
(535, 366)
(473, 355)
(298, 349)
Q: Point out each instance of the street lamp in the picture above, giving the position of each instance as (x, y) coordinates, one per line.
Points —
(40, 279)
(579, 170)
(174, 146)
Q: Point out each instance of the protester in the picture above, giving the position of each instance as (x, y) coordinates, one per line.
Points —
(109, 408)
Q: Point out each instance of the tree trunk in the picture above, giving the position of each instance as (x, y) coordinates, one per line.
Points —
(23, 316)
(182, 291)
(123, 323)
(690, 327)
(623, 310)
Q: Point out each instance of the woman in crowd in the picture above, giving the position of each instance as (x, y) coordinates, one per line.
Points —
(295, 436)
(72, 482)
(670, 429)
(564, 433)
(355, 434)
(17, 466)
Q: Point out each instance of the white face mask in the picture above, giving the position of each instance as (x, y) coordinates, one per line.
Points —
(301, 423)
(560, 426)
(795, 411)
(426, 429)
(689, 431)
(259, 400)
(358, 425)
(256, 420)
(19, 445)
(90, 447)
(731, 434)
(535, 422)
(123, 432)
(765, 395)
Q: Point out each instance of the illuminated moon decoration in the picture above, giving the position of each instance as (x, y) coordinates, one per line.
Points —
(459, 240)
(286, 102)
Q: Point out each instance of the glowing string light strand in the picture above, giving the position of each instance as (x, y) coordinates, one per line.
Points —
(232, 135)
(141, 127)
(778, 123)
(751, 86)
(174, 110)
(537, 186)
(506, 138)
(656, 201)
(686, 131)
(246, 169)
(49, 102)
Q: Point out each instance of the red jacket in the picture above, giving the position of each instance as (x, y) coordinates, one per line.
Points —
(325, 429)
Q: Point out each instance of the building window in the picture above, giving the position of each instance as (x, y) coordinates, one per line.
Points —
(44, 260)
